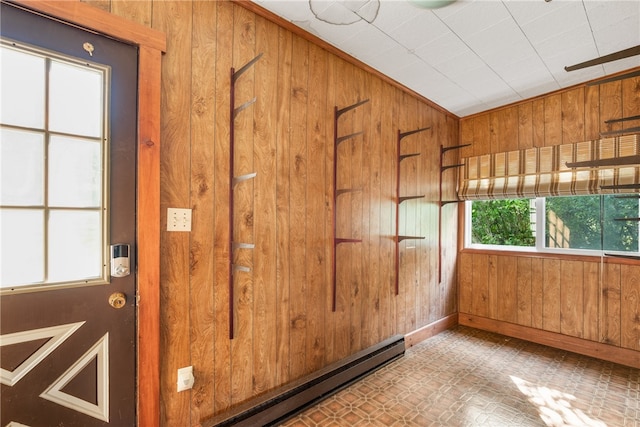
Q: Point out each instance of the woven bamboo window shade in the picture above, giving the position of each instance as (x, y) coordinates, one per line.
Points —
(543, 171)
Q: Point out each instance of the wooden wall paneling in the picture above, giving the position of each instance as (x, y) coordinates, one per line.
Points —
(480, 292)
(401, 122)
(331, 318)
(373, 281)
(630, 306)
(100, 4)
(357, 148)
(174, 18)
(465, 282)
(245, 89)
(524, 291)
(317, 116)
(592, 112)
(481, 135)
(370, 145)
(610, 327)
(631, 100)
(539, 136)
(493, 291)
(202, 202)
(450, 230)
(551, 295)
(504, 129)
(466, 137)
(345, 96)
(432, 304)
(571, 298)
(429, 185)
(136, 11)
(223, 64)
(553, 120)
(610, 105)
(591, 301)
(537, 293)
(508, 289)
(573, 115)
(388, 163)
(525, 127)
(298, 201)
(265, 252)
(283, 208)
(409, 174)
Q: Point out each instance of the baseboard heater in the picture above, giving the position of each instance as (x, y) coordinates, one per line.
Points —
(276, 406)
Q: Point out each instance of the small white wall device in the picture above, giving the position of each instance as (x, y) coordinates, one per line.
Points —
(120, 260)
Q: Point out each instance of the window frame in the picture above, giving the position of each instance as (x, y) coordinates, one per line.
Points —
(540, 233)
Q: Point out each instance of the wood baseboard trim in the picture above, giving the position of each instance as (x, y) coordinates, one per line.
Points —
(610, 353)
(430, 330)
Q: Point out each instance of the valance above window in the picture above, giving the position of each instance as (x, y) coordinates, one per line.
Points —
(543, 171)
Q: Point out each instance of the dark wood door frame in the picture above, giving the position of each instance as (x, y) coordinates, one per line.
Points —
(151, 44)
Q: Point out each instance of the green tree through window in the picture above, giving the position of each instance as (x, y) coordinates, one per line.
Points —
(502, 222)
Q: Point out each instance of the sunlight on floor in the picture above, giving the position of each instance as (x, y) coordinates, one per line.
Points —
(554, 406)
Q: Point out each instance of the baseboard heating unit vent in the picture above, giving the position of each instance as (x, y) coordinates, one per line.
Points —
(278, 405)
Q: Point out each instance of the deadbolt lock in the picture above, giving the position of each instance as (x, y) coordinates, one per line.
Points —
(117, 300)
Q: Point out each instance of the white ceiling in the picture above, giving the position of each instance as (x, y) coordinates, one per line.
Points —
(474, 55)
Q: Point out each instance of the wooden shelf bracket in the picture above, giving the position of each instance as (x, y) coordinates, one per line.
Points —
(233, 181)
(402, 199)
(337, 192)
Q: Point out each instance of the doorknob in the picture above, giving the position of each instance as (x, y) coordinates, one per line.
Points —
(117, 300)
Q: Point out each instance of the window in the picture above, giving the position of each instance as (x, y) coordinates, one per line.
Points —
(589, 225)
(53, 215)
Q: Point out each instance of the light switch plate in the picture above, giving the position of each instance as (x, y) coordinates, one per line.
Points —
(178, 219)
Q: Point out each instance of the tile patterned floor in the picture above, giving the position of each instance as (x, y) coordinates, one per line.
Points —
(467, 377)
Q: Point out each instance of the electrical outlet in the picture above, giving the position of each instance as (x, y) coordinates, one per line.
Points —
(185, 378)
(178, 219)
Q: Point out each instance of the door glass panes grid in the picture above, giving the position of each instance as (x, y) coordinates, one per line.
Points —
(52, 169)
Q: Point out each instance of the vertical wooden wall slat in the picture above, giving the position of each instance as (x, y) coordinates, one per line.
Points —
(630, 310)
(245, 89)
(174, 18)
(222, 352)
(202, 202)
(524, 291)
(551, 295)
(283, 208)
(318, 114)
(611, 304)
(265, 283)
(355, 147)
(591, 303)
(573, 115)
(571, 298)
(298, 201)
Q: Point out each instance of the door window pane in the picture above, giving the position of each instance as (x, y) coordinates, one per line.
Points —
(52, 170)
(22, 247)
(75, 99)
(75, 172)
(22, 78)
(21, 168)
(75, 245)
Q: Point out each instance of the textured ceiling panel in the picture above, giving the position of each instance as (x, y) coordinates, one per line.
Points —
(474, 55)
